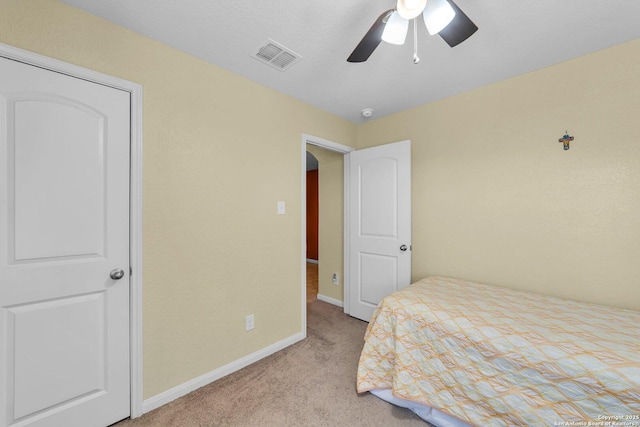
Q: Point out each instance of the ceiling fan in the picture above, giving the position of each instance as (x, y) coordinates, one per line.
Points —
(442, 17)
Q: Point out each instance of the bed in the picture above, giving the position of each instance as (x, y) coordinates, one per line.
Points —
(465, 353)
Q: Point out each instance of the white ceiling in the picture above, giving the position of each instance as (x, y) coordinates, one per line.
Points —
(514, 37)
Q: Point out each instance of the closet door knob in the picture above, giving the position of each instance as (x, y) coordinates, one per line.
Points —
(117, 274)
(403, 248)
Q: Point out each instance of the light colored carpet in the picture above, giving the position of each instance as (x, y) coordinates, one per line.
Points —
(311, 383)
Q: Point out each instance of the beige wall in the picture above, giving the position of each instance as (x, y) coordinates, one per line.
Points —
(219, 152)
(331, 221)
(495, 197)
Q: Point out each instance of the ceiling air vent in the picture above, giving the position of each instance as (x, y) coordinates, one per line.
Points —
(277, 56)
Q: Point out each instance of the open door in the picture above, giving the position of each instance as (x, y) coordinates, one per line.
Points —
(379, 225)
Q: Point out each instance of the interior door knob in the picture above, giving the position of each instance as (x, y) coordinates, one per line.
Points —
(117, 273)
(403, 248)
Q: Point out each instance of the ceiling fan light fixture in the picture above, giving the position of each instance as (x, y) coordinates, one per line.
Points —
(437, 15)
(409, 9)
(395, 32)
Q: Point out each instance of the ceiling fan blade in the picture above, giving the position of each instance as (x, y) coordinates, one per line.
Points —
(371, 40)
(460, 29)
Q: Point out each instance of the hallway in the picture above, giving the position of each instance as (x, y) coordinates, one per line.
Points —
(312, 282)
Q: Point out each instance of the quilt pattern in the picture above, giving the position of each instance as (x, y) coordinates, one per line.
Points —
(492, 356)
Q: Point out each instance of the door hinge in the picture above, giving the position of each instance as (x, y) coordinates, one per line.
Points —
(130, 271)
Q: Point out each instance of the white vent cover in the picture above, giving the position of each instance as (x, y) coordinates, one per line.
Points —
(276, 55)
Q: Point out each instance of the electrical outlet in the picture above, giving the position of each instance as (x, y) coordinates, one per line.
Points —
(336, 279)
(248, 322)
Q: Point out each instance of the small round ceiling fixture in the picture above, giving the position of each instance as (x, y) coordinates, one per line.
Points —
(367, 112)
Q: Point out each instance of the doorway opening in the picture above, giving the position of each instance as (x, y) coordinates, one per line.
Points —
(330, 221)
(312, 227)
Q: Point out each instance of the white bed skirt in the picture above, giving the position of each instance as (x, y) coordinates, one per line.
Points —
(427, 413)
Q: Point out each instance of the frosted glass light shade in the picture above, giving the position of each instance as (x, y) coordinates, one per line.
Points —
(410, 9)
(437, 15)
(395, 32)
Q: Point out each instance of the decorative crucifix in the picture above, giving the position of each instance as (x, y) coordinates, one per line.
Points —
(566, 139)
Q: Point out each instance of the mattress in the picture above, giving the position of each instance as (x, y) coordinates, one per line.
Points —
(491, 356)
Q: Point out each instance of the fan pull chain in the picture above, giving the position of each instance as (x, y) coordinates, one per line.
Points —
(415, 42)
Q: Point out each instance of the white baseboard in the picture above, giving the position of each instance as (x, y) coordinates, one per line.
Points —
(330, 300)
(313, 261)
(194, 384)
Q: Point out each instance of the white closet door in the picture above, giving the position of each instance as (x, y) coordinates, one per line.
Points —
(64, 232)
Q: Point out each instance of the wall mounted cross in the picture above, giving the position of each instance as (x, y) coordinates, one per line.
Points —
(566, 139)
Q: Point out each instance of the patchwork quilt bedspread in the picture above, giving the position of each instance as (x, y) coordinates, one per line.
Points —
(492, 356)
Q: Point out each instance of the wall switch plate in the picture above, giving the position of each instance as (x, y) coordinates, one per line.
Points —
(281, 208)
(249, 322)
(336, 279)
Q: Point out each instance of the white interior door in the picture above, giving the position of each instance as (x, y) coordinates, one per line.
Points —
(379, 225)
(64, 228)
